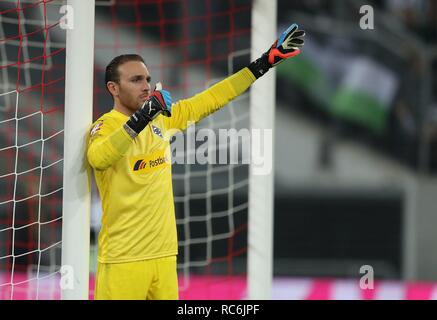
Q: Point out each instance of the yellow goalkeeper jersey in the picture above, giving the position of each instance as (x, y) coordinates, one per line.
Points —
(134, 179)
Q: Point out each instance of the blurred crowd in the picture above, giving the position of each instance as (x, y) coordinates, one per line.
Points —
(420, 16)
(403, 121)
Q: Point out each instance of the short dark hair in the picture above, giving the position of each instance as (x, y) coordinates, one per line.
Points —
(112, 73)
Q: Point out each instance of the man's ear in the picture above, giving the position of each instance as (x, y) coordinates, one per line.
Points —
(112, 88)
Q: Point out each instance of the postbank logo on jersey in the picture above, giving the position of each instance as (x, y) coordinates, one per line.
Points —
(151, 162)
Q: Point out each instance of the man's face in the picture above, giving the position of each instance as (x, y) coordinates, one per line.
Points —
(134, 85)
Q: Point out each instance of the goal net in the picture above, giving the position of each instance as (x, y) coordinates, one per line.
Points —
(31, 126)
(187, 45)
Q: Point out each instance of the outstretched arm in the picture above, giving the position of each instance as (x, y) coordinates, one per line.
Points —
(208, 101)
(203, 104)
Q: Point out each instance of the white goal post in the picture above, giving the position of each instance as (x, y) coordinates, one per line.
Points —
(262, 116)
(78, 118)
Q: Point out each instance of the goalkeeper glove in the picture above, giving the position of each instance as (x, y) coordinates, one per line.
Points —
(287, 46)
(158, 103)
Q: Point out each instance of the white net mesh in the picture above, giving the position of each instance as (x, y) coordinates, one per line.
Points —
(31, 123)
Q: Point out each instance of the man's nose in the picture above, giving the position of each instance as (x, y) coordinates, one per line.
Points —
(146, 86)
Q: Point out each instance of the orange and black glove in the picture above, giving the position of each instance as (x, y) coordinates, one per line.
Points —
(159, 102)
(287, 46)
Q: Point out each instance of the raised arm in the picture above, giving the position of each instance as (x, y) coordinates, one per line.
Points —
(203, 104)
(209, 100)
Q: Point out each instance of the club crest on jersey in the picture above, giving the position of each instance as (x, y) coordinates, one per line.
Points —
(96, 128)
(157, 131)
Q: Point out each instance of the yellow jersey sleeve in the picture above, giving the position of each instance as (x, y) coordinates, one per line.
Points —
(203, 104)
(107, 143)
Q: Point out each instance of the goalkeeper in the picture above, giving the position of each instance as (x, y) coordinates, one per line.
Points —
(127, 150)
